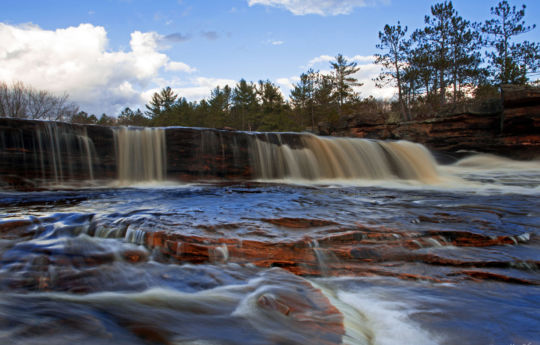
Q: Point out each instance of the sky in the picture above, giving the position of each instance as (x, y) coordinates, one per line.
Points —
(111, 54)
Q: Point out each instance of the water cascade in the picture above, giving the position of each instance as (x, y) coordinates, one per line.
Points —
(140, 154)
(52, 153)
(281, 156)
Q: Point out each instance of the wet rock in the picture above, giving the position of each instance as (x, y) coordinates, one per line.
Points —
(483, 275)
(510, 128)
(270, 301)
(19, 228)
(300, 223)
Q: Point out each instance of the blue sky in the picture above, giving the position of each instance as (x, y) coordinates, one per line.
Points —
(114, 53)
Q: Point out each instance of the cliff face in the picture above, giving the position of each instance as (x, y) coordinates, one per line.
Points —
(34, 153)
(512, 129)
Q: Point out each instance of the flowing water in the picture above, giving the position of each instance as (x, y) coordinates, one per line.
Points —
(337, 241)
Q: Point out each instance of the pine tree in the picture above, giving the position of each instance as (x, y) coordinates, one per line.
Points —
(393, 61)
(302, 98)
(436, 36)
(161, 102)
(220, 103)
(245, 102)
(343, 80)
(510, 61)
(325, 99)
(465, 59)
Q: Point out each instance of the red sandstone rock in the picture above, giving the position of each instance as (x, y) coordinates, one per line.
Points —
(513, 132)
(298, 222)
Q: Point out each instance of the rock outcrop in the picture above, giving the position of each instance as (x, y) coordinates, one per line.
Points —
(510, 128)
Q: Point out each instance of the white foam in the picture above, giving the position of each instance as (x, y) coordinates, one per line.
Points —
(388, 320)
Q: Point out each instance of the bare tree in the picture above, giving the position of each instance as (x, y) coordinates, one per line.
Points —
(23, 102)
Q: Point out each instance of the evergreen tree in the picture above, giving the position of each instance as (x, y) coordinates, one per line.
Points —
(245, 103)
(302, 98)
(325, 99)
(393, 60)
(83, 118)
(161, 102)
(436, 37)
(272, 117)
(464, 55)
(106, 120)
(510, 61)
(343, 80)
(129, 117)
(270, 96)
(220, 103)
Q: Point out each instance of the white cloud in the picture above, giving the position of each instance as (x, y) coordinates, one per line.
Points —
(288, 83)
(77, 60)
(320, 59)
(320, 7)
(277, 43)
(179, 67)
(200, 87)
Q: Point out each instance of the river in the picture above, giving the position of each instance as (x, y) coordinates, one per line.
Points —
(280, 259)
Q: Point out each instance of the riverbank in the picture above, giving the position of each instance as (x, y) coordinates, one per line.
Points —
(510, 127)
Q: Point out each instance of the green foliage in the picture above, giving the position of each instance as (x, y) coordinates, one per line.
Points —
(510, 61)
(343, 81)
(245, 105)
(106, 120)
(303, 100)
(129, 117)
(161, 102)
(393, 61)
(84, 119)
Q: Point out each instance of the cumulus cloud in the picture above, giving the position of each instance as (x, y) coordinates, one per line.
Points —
(277, 43)
(179, 67)
(288, 83)
(320, 7)
(77, 60)
(320, 59)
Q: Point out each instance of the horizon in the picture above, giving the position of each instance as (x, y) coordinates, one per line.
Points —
(106, 64)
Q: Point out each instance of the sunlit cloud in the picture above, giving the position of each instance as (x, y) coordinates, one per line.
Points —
(78, 60)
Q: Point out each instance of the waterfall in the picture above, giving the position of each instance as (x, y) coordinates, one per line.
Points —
(50, 153)
(309, 157)
(47, 153)
(140, 154)
(67, 153)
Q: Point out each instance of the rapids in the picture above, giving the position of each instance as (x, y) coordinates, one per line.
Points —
(337, 241)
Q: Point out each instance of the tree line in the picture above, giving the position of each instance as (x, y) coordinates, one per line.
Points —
(252, 106)
(448, 61)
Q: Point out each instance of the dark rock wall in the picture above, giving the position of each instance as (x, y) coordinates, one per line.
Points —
(32, 151)
(512, 129)
(210, 154)
(28, 156)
